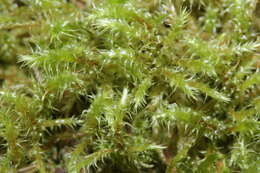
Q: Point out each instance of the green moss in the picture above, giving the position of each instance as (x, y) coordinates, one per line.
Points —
(129, 86)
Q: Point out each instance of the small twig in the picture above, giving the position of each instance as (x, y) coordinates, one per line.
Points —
(38, 75)
(28, 169)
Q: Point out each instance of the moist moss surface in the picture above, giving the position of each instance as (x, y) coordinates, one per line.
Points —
(129, 86)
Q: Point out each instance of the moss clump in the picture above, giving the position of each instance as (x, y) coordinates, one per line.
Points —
(129, 86)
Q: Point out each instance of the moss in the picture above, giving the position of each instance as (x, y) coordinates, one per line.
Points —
(129, 86)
